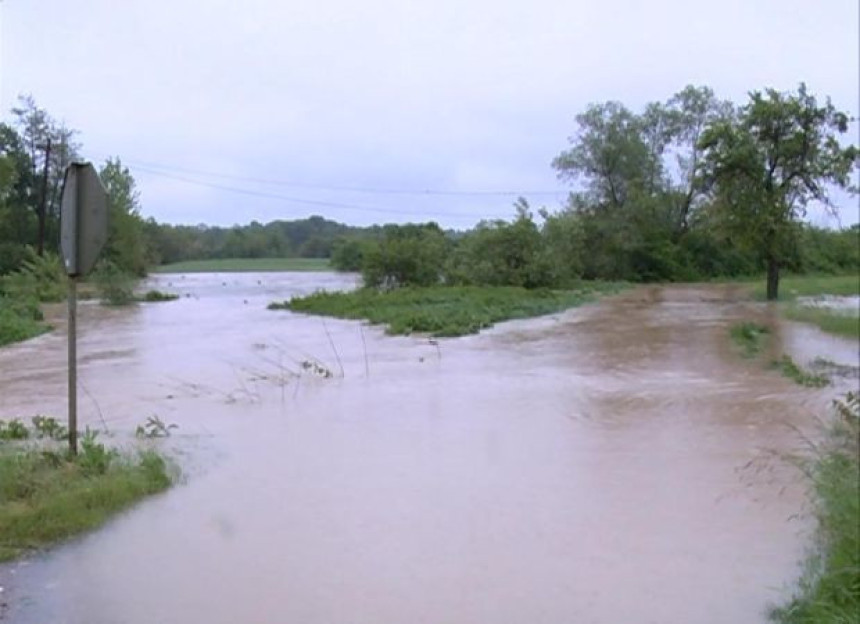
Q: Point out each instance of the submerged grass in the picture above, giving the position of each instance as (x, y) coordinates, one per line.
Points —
(749, 336)
(229, 265)
(47, 496)
(832, 322)
(789, 368)
(444, 310)
(829, 590)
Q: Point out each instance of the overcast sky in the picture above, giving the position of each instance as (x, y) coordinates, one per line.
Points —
(347, 103)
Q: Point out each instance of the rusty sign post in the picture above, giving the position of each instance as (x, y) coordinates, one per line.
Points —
(83, 232)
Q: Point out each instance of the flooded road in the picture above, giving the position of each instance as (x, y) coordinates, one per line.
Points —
(609, 464)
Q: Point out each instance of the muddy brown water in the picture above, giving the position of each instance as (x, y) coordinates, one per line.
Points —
(609, 464)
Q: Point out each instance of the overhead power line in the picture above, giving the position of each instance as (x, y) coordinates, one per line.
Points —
(172, 169)
(309, 202)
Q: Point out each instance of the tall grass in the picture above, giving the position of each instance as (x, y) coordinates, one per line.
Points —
(829, 590)
(47, 496)
(443, 310)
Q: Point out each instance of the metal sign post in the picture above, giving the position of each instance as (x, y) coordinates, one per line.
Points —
(83, 232)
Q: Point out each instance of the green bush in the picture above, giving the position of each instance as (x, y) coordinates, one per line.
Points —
(115, 286)
(40, 278)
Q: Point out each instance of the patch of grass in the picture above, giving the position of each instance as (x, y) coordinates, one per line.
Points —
(229, 265)
(793, 286)
(789, 368)
(444, 310)
(20, 319)
(47, 496)
(154, 296)
(749, 336)
(833, 322)
(829, 590)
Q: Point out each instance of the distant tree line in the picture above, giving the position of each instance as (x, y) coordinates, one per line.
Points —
(687, 189)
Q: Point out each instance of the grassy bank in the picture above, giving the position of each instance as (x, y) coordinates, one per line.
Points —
(444, 310)
(47, 496)
(837, 323)
(829, 590)
(792, 287)
(234, 265)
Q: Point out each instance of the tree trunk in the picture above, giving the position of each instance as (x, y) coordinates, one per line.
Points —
(772, 279)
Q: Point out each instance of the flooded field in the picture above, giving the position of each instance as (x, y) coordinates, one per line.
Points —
(614, 463)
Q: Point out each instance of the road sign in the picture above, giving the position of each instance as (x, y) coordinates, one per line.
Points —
(83, 218)
(83, 232)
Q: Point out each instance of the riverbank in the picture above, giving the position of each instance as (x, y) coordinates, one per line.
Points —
(445, 310)
(829, 590)
(47, 496)
(816, 299)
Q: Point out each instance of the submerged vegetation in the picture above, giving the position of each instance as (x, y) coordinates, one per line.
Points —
(831, 321)
(47, 496)
(789, 368)
(444, 310)
(829, 591)
(749, 336)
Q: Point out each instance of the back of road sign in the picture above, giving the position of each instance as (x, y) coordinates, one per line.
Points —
(83, 218)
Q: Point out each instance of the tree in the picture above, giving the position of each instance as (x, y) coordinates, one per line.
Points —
(126, 245)
(50, 147)
(765, 166)
(407, 255)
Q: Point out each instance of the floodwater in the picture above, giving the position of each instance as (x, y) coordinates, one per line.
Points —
(614, 463)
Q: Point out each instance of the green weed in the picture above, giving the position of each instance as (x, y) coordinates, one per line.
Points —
(13, 430)
(789, 368)
(444, 310)
(749, 336)
(829, 590)
(155, 296)
(154, 427)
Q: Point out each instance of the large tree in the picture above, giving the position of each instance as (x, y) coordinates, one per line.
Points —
(769, 163)
(50, 146)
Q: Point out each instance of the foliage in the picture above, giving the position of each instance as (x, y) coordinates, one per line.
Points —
(46, 496)
(789, 368)
(768, 163)
(499, 253)
(13, 430)
(749, 336)
(127, 247)
(20, 319)
(154, 427)
(829, 590)
(406, 255)
(154, 296)
(445, 310)
(39, 278)
(48, 427)
(115, 286)
(347, 254)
